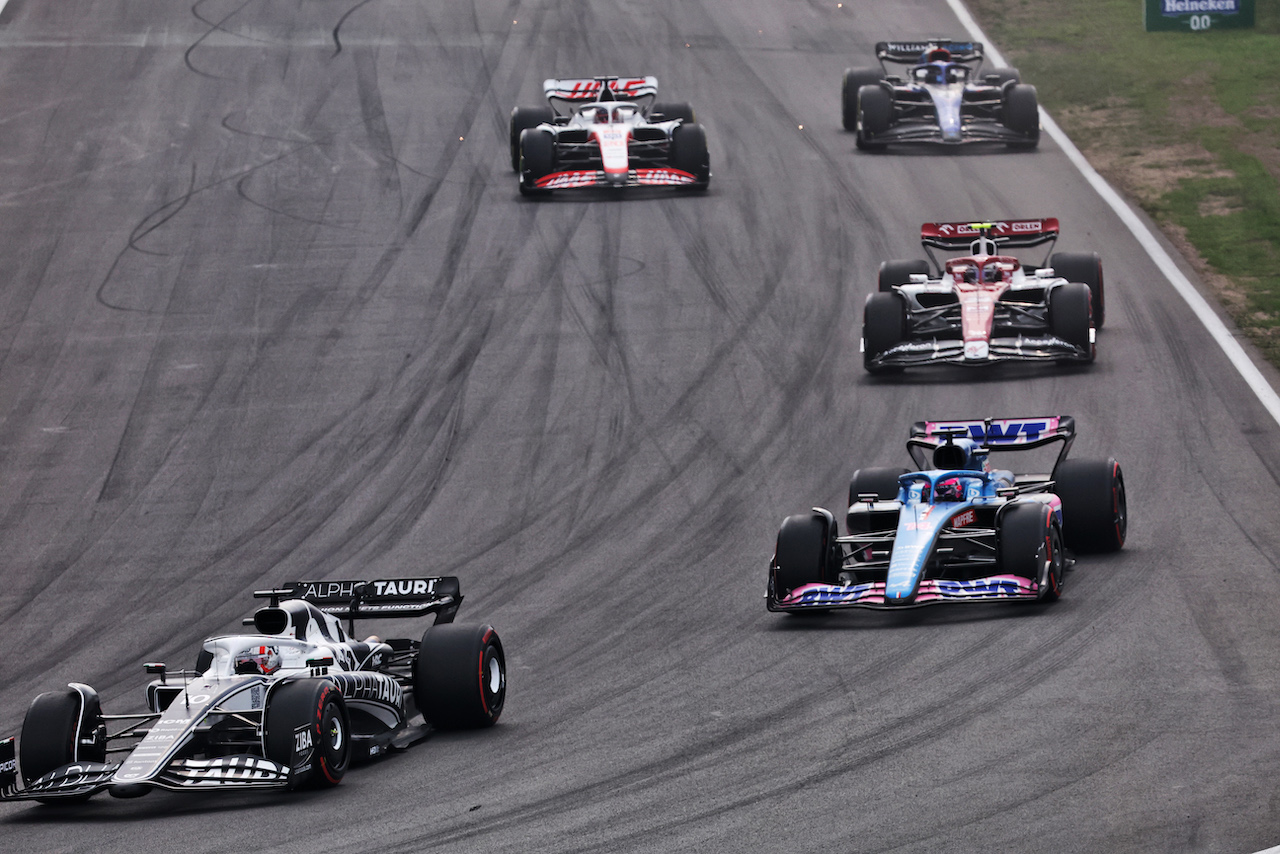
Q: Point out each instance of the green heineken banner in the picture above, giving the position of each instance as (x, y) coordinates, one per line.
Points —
(1198, 15)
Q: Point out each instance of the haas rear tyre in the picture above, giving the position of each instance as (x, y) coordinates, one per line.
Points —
(807, 552)
(523, 118)
(1083, 267)
(1030, 546)
(689, 153)
(884, 326)
(1022, 114)
(61, 727)
(674, 110)
(1095, 515)
(460, 676)
(875, 114)
(1069, 312)
(900, 272)
(306, 728)
(855, 79)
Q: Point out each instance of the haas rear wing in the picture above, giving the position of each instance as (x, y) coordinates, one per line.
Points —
(910, 53)
(1013, 434)
(563, 93)
(381, 598)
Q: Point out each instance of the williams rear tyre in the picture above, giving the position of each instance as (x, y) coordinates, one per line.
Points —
(875, 115)
(537, 160)
(1001, 76)
(1083, 267)
(674, 110)
(1095, 514)
(523, 118)
(855, 79)
(884, 326)
(61, 727)
(806, 553)
(900, 272)
(306, 728)
(689, 153)
(460, 676)
(1029, 545)
(880, 480)
(1021, 114)
(1070, 309)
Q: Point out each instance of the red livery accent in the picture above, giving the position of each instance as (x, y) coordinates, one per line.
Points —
(967, 230)
(964, 519)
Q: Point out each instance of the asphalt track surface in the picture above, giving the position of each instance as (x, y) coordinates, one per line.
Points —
(272, 309)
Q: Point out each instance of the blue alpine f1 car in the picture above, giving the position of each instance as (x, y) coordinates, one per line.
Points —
(956, 529)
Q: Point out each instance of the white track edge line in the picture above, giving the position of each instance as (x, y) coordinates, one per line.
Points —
(1221, 334)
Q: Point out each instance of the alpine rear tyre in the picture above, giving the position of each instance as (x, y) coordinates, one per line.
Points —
(1095, 514)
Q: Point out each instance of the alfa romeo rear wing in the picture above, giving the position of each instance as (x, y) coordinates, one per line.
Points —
(381, 598)
(970, 237)
(563, 93)
(909, 53)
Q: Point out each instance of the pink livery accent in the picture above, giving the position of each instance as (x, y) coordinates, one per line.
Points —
(1003, 431)
(932, 591)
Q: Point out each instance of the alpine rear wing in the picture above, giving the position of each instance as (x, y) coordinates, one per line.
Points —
(1006, 434)
(381, 598)
(563, 93)
(909, 53)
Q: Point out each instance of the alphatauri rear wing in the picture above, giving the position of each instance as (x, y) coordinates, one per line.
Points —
(381, 598)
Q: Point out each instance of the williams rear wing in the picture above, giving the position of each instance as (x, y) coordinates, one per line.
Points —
(381, 598)
(563, 93)
(909, 53)
(1005, 434)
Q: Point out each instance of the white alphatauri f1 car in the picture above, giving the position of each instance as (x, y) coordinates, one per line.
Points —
(985, 306)
(289, 705)
(607, 132)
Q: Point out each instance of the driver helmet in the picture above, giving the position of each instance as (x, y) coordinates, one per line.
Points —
(263, 660)
(968, 273)
(949, 490)
(602, 116)
(938, 54)
(991, 273)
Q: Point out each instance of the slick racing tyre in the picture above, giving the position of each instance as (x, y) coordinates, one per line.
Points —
(689, 153)
(881, 480)
(855, 79)
(1021, 114)
(806, 553)
(61, 727)
(460, 677)
(537, 160)
(1083, 267)
(523, 118)
(875, 114)
(1069, 311)
(900, 272)
(884, 326)
(1001, 76)
(1029, 545)
(306, 728)
(1095, 515)
(674, 110)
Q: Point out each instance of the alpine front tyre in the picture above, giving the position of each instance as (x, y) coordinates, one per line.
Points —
(1029, 545)
(806, 552)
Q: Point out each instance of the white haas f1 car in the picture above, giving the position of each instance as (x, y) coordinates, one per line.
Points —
(942, 98)
(607, 132)
(986, 306)
(955, 530)
(290, 705)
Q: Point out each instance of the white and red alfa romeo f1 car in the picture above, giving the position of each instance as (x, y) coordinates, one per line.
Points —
(986, 306)
(607, 132)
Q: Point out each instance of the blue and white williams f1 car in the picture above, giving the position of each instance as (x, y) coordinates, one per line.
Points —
(956, 529)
